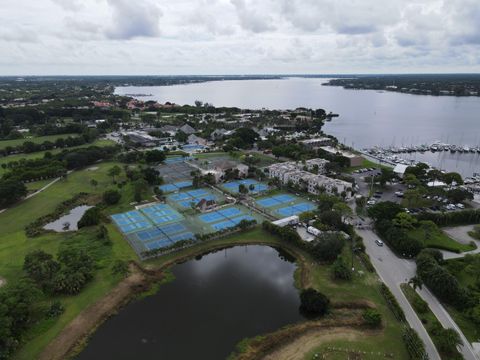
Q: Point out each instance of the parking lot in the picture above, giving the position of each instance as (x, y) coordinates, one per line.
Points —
(394, 192)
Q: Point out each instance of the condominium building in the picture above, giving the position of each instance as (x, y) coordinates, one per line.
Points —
(293, 173)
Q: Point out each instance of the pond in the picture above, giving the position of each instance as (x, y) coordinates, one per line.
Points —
(213, 303)
(72, 218)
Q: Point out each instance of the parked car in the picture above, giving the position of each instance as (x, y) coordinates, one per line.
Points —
(460, 206)
(379, 242)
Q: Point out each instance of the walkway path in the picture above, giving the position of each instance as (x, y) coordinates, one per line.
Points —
(35, 193)
(460, 234)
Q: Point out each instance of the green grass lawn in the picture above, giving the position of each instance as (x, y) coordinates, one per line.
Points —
(40, 154)
(364, 286)
(367, 164)
(36, 185)
(427, 317)
(14, 245)
(439, 240)
(36, 140)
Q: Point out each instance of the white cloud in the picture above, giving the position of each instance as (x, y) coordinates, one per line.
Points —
(251, 19)
(132, 19)
(238, 36)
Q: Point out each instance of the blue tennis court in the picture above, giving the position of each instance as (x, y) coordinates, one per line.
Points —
(131, 221)
(268, 202)
(168, 188)
(232, 186)
(219, 215)
(211, 217)
(182, 236)
(173, 228)
(197, 192)
(188, 203)
(183, 184)
(229, 212)
(148, 235)
(275, 200)
(179, 196)
(161, 213)
(158, 244)
(186, 198)
(295, 209)
(283, 198)
(231, 222)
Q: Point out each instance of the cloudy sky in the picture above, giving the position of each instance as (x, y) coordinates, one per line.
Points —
(238, 36)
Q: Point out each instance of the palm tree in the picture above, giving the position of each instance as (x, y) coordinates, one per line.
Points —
(447, 340)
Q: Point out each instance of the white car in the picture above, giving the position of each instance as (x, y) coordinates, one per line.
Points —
(379, 242)
(460, 206)
(371, 202)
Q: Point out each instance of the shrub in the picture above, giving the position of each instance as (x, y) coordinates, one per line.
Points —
(420, 305)
(328, 247)
(120, 267)
(341, 270)
(415, 346)
(441, 282)
(55, 310)
(366, 262)
(392, 302)
(447, 340)
(111, 197)
(102, 234)
(90, 218)
(372, 318)
(313, 302)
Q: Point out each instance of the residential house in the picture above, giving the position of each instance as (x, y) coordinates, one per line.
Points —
(187, 129)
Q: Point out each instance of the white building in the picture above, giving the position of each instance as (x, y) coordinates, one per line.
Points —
(291, 220)
(291, 172)
(316, 142)
(330, 185)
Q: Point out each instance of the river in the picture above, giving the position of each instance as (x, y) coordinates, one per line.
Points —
(367, 117)
(213, 303)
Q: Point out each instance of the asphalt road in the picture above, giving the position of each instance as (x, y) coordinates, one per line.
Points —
(394, 271)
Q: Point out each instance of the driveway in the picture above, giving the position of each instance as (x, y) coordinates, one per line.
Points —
(460, 234)
(394, 271)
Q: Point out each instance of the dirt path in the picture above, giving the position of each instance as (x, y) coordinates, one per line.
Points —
(86, 322)
(297, 349)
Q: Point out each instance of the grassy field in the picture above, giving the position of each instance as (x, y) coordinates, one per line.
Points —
(364, 286)
(427, 317)
(36, 140)
(440, 240)
(40, 154)
(14, 245)
(367, 164)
